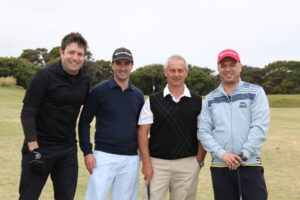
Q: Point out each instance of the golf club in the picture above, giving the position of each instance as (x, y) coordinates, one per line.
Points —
(148, 191)
(239, 182)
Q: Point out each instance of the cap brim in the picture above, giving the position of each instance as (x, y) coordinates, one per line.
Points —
(228, 56)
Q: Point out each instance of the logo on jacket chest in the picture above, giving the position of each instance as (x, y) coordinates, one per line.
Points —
(243, 104)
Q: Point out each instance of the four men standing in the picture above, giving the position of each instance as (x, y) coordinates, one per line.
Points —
(232, 126)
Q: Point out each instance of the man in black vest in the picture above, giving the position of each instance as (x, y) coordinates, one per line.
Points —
(172, 156)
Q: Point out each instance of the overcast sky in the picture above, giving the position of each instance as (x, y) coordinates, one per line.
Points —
(262, 31)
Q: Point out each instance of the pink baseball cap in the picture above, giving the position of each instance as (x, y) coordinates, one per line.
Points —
(228, 53)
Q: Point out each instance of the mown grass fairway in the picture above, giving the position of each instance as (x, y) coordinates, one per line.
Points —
(284, 101)
(280, 154)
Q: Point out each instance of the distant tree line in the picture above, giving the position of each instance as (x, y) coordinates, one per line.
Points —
(279, 77)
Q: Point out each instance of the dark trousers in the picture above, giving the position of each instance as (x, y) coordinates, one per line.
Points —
(62, 165)
(251, 179)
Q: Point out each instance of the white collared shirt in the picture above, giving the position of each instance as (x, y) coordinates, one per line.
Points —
(146, 115)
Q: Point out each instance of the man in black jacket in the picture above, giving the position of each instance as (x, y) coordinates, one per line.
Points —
(51, 106)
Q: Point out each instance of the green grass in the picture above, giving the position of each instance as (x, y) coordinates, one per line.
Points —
(284, 101)
(280, 153)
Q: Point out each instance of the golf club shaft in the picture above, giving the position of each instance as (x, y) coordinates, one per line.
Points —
(239, 182)
(148, 191)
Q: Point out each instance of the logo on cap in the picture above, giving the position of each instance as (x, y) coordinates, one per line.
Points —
(122, 53)
(228, 53)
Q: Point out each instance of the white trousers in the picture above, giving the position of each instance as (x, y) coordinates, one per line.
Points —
(118, 172)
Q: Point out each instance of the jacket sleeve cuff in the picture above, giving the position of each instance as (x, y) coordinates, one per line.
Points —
(87, 152)
(246, 153)
(31, 139)
(220, 153)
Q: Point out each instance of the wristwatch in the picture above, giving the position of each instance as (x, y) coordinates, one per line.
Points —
(244, 158)
(201, 163)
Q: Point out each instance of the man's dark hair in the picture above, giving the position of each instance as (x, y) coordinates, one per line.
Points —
(74, 37)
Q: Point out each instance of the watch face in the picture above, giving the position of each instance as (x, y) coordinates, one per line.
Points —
(244, 158)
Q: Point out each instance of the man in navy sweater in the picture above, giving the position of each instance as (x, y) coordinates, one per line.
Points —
(116, 104)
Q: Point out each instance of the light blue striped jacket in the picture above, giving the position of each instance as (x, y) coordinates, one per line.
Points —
(237, 124)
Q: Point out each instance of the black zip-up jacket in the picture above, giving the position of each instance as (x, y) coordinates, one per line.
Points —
(51, 106)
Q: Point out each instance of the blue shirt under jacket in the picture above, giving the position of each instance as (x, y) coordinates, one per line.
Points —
(116, 113)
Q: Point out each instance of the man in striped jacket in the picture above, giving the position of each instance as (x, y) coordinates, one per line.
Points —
(233, 126)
